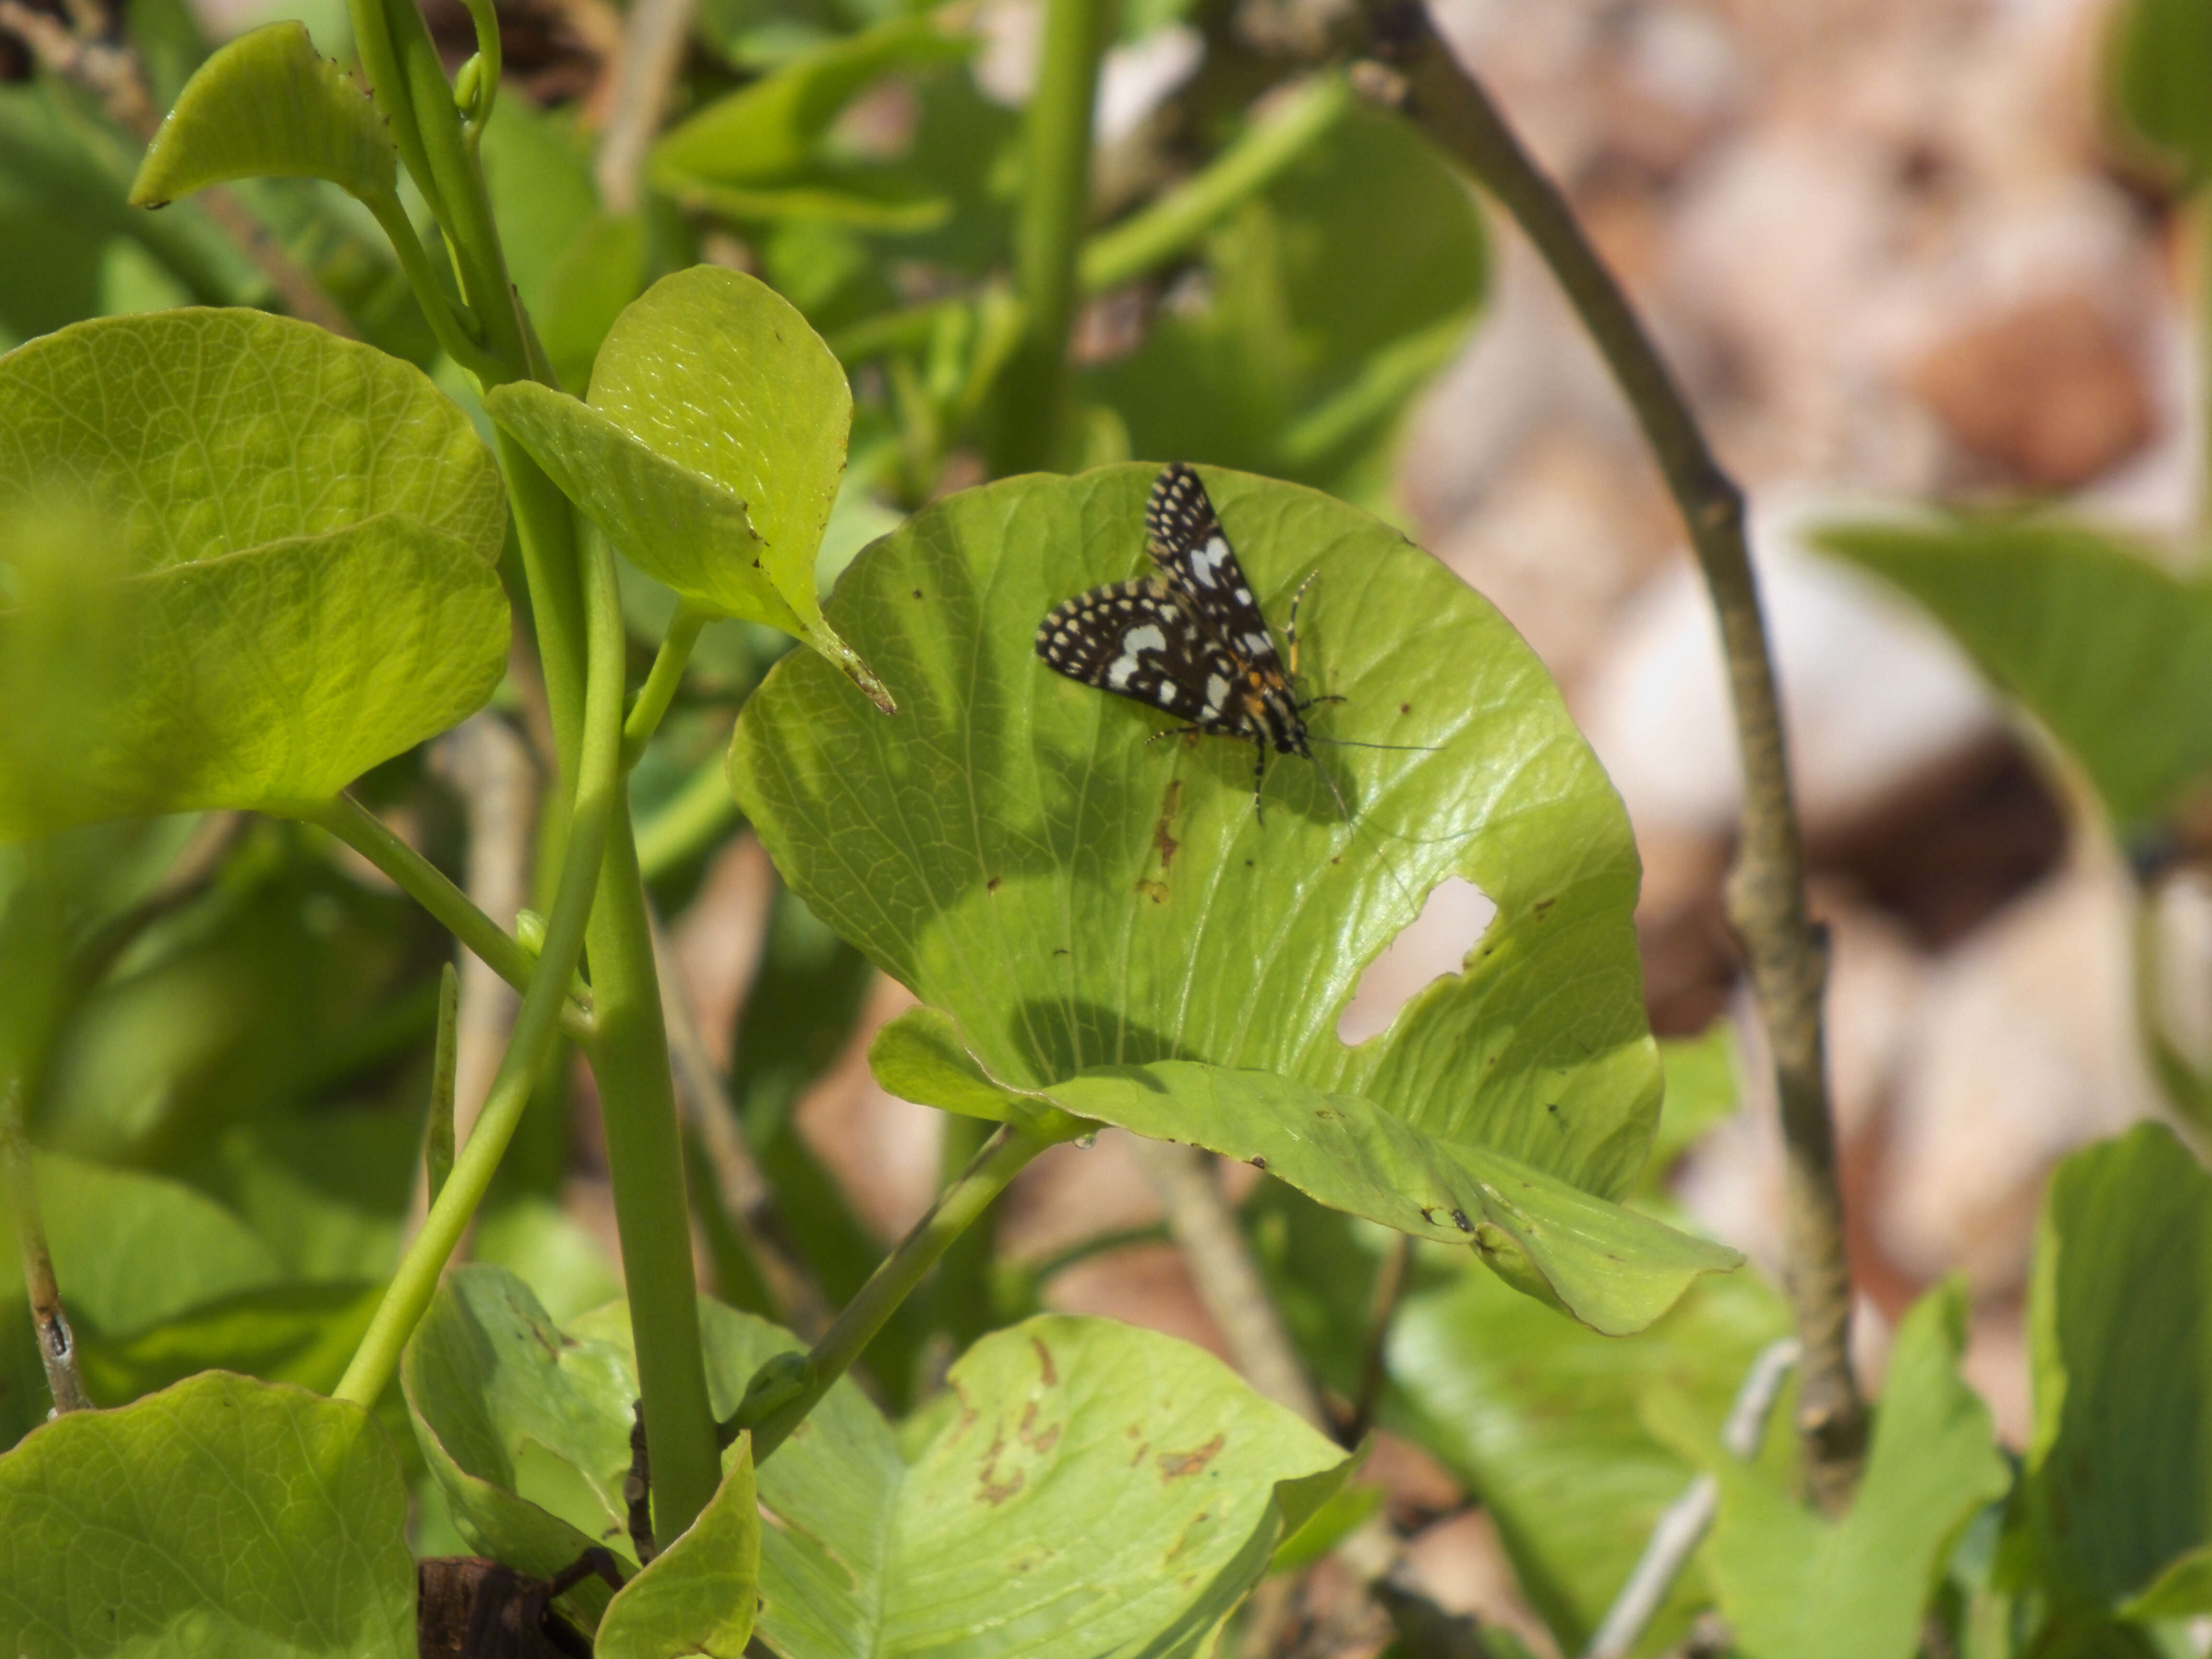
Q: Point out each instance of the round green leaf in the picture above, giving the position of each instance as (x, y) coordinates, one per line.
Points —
(250, 561)
(1019, 854)
(2161, 62)
(221, 1516)
(709, 451)
(269, 106)
(697, 1599)
(2110, 650)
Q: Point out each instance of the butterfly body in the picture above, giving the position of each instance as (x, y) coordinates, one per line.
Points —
(1191, 641)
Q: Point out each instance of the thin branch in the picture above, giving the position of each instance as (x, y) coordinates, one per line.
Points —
(1788, 953)
(113, 74)
(1391, 1279)
(654, 34)
(1679, 1531)
(747, 1197)
(1228, 1282)
(489, 769)
(57, 1345)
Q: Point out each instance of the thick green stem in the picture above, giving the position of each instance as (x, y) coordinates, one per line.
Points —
(659, 689)
(1047, 237)
(370, 836)
(437, 307)
(598, 798)
(1005, 1156)
(644, 1162)
(1165, 229)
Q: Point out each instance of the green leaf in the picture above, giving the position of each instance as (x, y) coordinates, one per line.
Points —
(269, 106)
(266, 565)
(302, 1334)
(2120, 1341)
(2183, 1591)
(1702, 1089)
(132, 1249)
(221, 1516)
(975, 1528)
(709, 450)
(757, 153)
(2160, 65)
(1306, 349)
(1541, 1421)
(1793, 1585)
(2111, 652)
(1077, 898)
(698, 1596)
(1610, 1267)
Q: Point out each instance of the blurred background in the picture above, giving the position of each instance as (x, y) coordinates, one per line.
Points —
(1896, 256)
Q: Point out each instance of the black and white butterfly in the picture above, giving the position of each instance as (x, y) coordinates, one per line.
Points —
(1191, 641)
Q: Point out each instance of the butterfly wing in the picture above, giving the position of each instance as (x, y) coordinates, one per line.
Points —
(1141, 640)
(1186, 540)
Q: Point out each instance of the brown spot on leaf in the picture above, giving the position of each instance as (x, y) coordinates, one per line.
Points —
(1403, 707)
(1155, 891)
(992, 885)
(1460, 1221)
(1048, 1373)
(1257, 1162)
(1175, 1466)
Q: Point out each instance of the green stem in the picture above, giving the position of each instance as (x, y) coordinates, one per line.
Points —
(1170, 225)
(370, 836)
(1005, 1156)
(659, 689)
(1055, 197)
(599, 797)
(645, 1162)
(437, 306)
(552, 570)
(438, 1144)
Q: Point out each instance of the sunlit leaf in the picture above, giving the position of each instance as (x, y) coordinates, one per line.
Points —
(709, 450)
(251, 562)
(269, 106)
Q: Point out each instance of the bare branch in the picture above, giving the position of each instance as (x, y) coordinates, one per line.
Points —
(1788, 953)
(56, 1344)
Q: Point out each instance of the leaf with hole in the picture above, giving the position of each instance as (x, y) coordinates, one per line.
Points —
(1102, 915)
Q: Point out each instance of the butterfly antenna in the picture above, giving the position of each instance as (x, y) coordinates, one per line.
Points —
(1354, 743)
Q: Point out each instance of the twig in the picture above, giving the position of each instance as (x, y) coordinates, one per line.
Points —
(747, 1198)
(489, 769)
(57, 1345)
(1391, 1277)
(1205, 1228)
(654, 34)
(1678, 1532)
(1788, 953)
(114, 75)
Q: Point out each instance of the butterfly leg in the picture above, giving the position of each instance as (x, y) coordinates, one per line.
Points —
(1259, 779)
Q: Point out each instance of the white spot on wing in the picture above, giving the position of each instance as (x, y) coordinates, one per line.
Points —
(1147, 638)
(1118, 675)
(1217, 693)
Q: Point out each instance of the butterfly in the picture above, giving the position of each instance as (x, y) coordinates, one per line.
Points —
(1191, 641)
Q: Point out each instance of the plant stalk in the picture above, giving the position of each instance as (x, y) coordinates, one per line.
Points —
(965, 1199)
(1048, 233)
(660, 686)
(49, 1320)
(1789, 954)
(598, 794)
(645, 1162)
(422, 880)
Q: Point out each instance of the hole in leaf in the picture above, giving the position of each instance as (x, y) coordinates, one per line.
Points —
(1453, 919)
